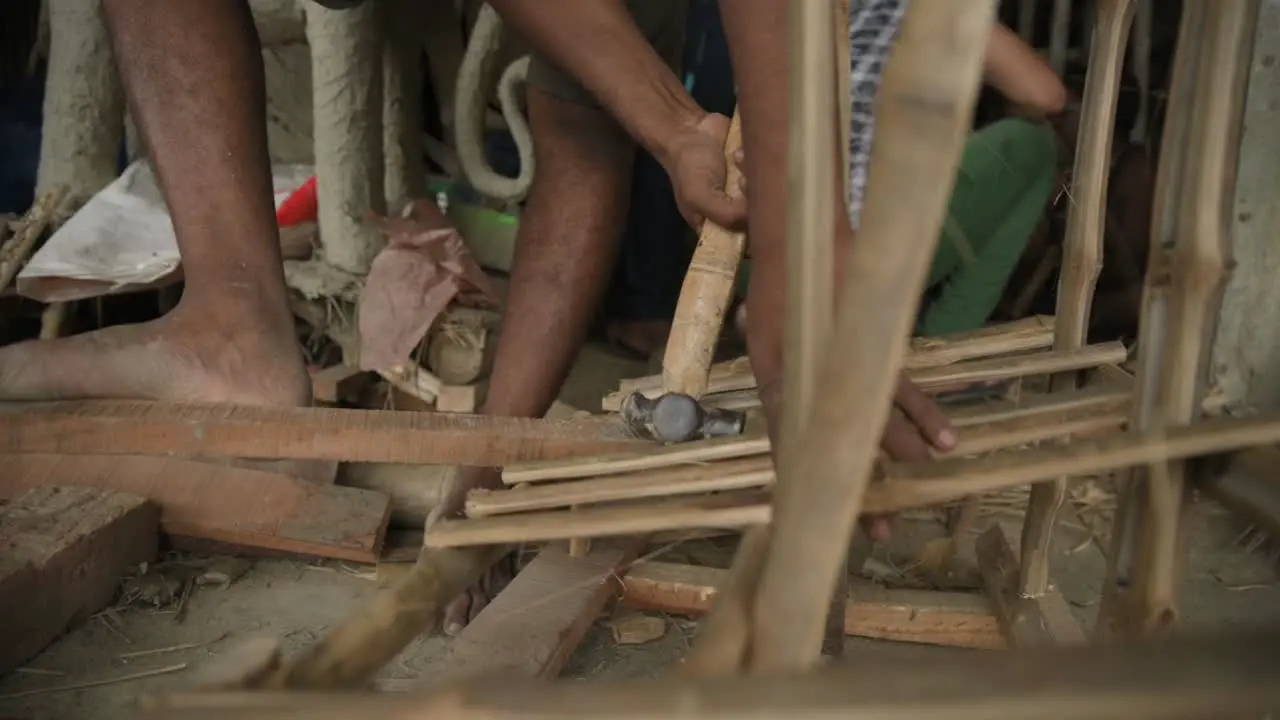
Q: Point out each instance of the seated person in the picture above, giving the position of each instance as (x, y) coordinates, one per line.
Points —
(1003, 185)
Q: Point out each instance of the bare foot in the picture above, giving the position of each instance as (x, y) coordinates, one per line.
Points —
(180, 357)
(464, 608)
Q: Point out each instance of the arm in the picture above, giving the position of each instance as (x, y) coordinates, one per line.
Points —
(1021, 75)
(758, 37)
(598, 43)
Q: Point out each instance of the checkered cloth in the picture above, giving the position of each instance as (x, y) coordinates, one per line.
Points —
(873, 27)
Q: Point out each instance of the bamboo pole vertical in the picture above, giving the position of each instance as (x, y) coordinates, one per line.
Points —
(1060, 35)
(924, 109)
(1082, 256)
(1188, 271)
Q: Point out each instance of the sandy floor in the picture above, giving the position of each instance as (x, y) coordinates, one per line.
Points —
(1226, 585)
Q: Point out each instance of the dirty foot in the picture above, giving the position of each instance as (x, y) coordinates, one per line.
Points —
(464, 608)
(180, 357)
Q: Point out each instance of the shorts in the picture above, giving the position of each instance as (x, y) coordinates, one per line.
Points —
(663, 25)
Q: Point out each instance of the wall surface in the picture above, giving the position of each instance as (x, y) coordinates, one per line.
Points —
(1247, 352)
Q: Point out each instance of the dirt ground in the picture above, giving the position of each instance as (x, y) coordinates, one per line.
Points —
(84, 674)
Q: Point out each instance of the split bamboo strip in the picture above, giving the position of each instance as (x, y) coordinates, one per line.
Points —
(752, 472)
(653, 457)
(989, 369)
(1028, 334)
(906, 486)
(661, 482)
(734, 510)
(1095, 399)
(1082, 254)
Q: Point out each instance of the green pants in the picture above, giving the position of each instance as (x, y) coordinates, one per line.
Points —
(1003, 184)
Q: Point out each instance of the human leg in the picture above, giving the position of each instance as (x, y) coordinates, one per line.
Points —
(194, 76)
(565, 250)
(1004, 182)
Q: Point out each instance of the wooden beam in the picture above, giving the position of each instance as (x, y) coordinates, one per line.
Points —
(933, 618)
(204, 504)
(534, 625)
(1028, 621)
(141, 428)
(64, 552)
(1230, 676)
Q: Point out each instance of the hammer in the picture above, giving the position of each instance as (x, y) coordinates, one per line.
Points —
(676, 416)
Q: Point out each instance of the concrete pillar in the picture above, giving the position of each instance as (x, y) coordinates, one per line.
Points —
(1246, 360)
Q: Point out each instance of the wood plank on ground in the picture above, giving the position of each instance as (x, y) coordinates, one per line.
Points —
(249, 511)
(62, 553)
(193, 430)
(534, 625)
(934, 618)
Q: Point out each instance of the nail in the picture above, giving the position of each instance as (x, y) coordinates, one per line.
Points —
(947, 439)
(452, 629)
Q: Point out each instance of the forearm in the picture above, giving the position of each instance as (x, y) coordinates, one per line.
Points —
(598, 43)
(758, 41)
(1022, 75)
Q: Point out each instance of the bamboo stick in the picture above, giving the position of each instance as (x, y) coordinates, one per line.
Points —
(1190, 262)
(661, 482)
(1082, 254)
(1230, 676)
(1028, 334)
(733, 510)
(661, 456)
(924, 108)
(751, 472)
(905, 486)
(990, 369)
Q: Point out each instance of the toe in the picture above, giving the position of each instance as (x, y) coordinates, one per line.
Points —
(457, 614)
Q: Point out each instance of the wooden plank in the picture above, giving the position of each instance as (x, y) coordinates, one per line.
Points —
(1042, 620)
(933, 618)
(1233, 675)
(202, 503)
(533, 626)
(141, 428)
(62, 553)
(339, 383)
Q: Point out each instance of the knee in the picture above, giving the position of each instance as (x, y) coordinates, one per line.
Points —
(1031, 149)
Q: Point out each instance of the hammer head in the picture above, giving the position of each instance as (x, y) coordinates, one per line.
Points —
(677, 418)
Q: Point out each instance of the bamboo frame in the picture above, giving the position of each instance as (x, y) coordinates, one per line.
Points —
(825, 481)
(1188, 270)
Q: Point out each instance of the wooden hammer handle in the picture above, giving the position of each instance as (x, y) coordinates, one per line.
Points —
(705, 295)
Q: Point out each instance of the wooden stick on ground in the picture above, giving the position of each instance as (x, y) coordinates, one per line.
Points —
(1082, 255)
(1190, 261)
